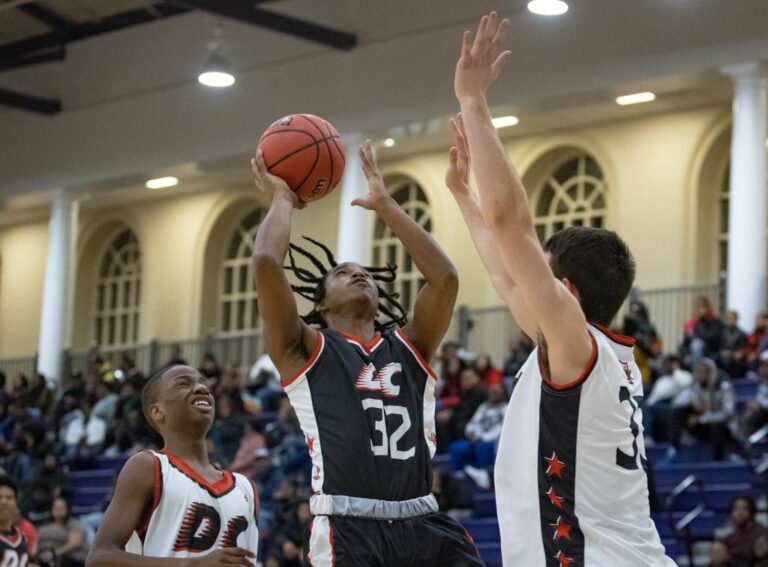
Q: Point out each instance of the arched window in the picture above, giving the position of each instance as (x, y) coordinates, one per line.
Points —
(238, 308)
(118, 296)
(387, 249)
(572, 193)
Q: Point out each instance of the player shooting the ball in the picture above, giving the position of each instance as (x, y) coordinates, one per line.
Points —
(361, 386)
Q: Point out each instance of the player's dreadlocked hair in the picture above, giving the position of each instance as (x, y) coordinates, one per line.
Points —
(312, 286)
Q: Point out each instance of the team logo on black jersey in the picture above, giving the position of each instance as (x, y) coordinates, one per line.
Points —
(372, 380)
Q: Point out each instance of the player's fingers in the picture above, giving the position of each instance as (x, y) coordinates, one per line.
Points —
(359, 203)
(479, 34)
(501, 34)
(466, 43)
(370, 153)
(260, 163)
(453, 156)
(498, 65)
(239, 552)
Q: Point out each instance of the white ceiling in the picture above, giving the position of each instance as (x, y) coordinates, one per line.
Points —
(132, 105)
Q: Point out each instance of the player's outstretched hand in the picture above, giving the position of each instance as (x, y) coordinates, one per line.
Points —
(377, 193)
(271, 185)
(225, 557)
(457, 176)
(481, 60)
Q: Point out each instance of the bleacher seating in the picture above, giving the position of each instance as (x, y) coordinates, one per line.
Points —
(722, 482)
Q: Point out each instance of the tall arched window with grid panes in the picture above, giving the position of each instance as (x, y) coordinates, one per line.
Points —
(238, 306)
(571, 193)
(387, 249)
(118, 292)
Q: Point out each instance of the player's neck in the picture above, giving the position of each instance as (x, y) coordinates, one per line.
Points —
(6, 526)
(357, 327)
(193, 450)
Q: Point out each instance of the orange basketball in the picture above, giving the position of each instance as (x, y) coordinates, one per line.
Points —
(307, 152)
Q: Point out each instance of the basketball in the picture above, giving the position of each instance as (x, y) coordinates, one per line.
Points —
(307, 152)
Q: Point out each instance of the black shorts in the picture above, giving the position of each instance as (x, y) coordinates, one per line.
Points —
(435, 540)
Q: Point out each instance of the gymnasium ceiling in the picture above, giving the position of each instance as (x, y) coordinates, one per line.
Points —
(119, 76)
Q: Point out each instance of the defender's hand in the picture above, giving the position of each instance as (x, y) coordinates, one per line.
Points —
(271, 185)
(377, 193)
(481, 61)
(225, 557)
(457, 176)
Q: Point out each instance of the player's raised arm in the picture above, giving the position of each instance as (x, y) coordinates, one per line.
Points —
(504, 204)
(457, 181)
(130, 505)
(288, 340)
(434, 305)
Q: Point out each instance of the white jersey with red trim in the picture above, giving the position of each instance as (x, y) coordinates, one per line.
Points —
(192, 517)
(573, 456)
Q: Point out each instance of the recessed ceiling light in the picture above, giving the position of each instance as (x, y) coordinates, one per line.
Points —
(389, 142)
(218, 79)
(635, 98)
(548, 7)
(504, 121)
(162, 182)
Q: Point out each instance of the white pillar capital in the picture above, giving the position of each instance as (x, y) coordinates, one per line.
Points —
(751, 71)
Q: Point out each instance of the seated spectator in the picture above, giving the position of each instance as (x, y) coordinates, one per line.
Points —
(518, 353)
(129, 400)
(41, 396)
(719, 556)
(227, 430)
(84, 434)
(65, 536)
(20, 390)
(28, 529)
(210, 368)
(488, 373)
(482, 433)
(757, 409)
(745, 530)
(267, 478)
(701, 334)
(131, 435)
(450, 367)
(637, 324)
(452, 421)
(128, 373)
(230, 386)
(658, 409)
(760, 551)
(105, 405)
(757, 341)
(706, 409)
(253, 439)
(734, 346)
(264, 383)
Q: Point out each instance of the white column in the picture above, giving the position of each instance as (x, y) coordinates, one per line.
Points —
(354, 222)
(747, 253)
(57, 288)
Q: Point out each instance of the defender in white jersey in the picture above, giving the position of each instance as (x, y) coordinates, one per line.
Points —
(174, 504)
(571, 486)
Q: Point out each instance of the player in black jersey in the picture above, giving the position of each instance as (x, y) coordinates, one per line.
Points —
(361, 386)
(13, 544)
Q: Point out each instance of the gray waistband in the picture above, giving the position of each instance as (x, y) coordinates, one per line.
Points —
(333, 505)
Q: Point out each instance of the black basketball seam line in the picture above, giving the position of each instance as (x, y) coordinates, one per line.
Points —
(268, 134)
(338, 149)
(294, 152)
(327, 147)
(311, 169)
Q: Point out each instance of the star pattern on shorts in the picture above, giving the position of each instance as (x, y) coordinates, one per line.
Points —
(310, 444)
(554, 466)
(561, 529)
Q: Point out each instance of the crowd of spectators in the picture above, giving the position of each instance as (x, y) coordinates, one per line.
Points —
(743, 542)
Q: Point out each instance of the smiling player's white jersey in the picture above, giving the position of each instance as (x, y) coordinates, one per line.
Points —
(191, 517)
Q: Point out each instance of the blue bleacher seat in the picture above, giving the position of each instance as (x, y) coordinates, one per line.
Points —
(725, 472)
(93, 478)
(482, 530)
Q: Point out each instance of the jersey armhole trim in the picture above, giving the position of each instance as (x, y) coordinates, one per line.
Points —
(620, 339)
(310, 363)
(420, 359)
(590, 366)
(256, 502)
(157, 493)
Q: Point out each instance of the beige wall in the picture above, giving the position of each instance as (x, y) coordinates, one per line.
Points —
(654, 168)
(22, 252)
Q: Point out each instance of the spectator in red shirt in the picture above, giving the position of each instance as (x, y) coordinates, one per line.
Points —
(757, 341)
(746, 530)
(484, 367)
